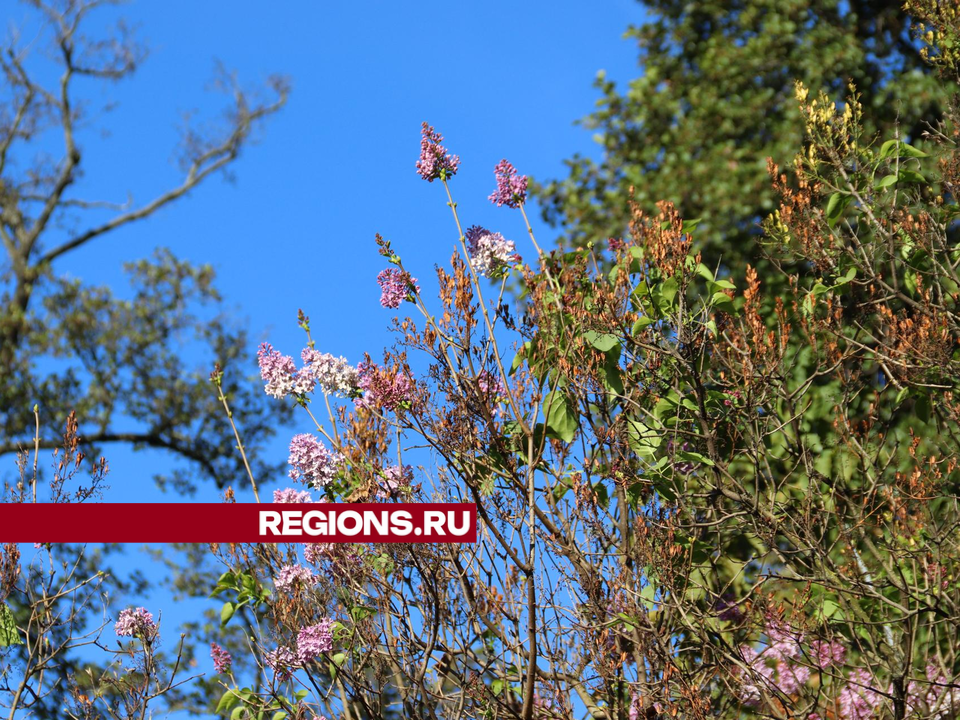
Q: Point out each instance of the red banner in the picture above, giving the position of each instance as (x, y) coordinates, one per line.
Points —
(239, 523)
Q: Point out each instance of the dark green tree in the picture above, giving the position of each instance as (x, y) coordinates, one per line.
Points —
(716, 98)
(119, 362)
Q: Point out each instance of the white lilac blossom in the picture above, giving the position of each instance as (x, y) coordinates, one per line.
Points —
(334, 375)
(291, 577)
(311, 462)
(490, 252)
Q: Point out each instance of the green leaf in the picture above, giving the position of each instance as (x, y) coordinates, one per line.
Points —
(227, 701)
(238, 712)
(886, 181)
(561, 417)
(640, 324)
(9, 635)
(226, 612)
(923, 408)
(496, 687)
(836, 204)
(668, 291)
(643, 440)
(601, 341)
(911, 176)
(280, 715)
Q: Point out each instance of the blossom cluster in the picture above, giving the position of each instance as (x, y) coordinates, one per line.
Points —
(395, 480)
(291, 496)
(784, 667)
(314, 640)
(395, 287)
(435, 162)
(136, 622)
(384, 388)
(221, 658)
(511, 188)
(290, 577)
(280, 373)
(490, 253)
(311, 462)
(334, 375)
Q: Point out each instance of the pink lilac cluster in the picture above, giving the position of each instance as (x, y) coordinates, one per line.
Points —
(291, 496)
(491, 385)
(395, 287)
(858, 700)
(511, 188)
(784, 667)
(290, 577)
(776, 665)
(395, 479)
(616, 244)
(311, 462)
(281, 375)
(221, 658)
(313, 553)
(334, 375)
(490, 253)
(383, 388)
(281, 661)
(314, 640)
(136, 622)
(435, 162)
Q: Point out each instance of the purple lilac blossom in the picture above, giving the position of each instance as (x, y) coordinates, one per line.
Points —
(825, 654)
(135, 623)
(282, 661)
(334, 375)
(858, 699)
(314, 640)
(290, 577)
(511, 188)
(313, 553)
(383, 388)
(221, 658)
(395, 287)
(490, 253)
(289, 495)
(435, 162)
(311, 462)
(395, 478)
(280, 374)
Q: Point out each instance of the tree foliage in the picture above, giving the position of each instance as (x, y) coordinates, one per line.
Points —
(119, 362)
(715, 100)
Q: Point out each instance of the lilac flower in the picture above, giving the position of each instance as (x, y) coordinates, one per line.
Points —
(221, 658)
(511, 188)
(490, 253)
(491, 385)
(942, 699)
(857, 698)
(291, 577)
(395, 478)
(136, 623)
(636, 707)
(313, 553)
(826, 654)
(616, 244)
(289, 495)
(281, 661)
(435, 162)
(280, 374)
(383, 388)
(311, 462)
(395, 287)
(791, 676)
(314, 640)
(334, 375)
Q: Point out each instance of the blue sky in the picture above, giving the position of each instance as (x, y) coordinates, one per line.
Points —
(296, 228)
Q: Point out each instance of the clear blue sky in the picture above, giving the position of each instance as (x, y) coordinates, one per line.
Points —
(499, 79)
(296, 227)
